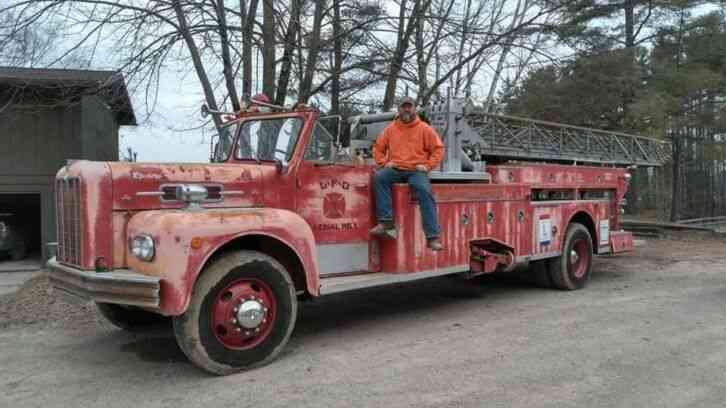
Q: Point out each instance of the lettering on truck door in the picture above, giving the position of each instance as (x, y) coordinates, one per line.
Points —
(334, 197)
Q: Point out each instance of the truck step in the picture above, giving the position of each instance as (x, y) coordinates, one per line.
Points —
(346, 283)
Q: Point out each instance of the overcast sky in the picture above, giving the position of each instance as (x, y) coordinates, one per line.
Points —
(169, 134)
(172, 132)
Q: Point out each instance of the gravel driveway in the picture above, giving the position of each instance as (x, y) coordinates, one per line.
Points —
(649, 330)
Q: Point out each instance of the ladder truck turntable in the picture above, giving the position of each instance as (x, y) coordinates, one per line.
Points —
(227, 249)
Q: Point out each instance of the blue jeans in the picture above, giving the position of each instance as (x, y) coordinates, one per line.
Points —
(419, 182)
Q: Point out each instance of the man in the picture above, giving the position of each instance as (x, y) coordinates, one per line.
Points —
(405, 152)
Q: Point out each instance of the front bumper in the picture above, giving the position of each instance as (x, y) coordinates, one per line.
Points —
(120, 286)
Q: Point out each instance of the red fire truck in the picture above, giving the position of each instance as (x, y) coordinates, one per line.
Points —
(227, 249)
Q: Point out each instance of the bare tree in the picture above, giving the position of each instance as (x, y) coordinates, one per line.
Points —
(268, 48)
(407, 23)
(313, 49)
(289, 43)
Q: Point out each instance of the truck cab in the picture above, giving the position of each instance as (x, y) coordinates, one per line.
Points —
(227, 249)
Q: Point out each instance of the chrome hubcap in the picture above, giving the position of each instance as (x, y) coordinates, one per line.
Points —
(251, 314)
(574, 257)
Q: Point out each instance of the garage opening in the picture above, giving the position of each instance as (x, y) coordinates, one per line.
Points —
(20, 232)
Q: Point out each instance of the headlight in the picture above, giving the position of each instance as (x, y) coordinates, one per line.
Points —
(142, 246)
(3, 230)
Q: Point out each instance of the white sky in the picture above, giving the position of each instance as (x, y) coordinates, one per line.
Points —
(169, 134)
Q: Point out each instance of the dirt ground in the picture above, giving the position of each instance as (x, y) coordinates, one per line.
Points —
(649, 330)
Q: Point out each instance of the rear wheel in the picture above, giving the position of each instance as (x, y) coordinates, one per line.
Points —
(241, 314)
(572, 269)
(132, 319)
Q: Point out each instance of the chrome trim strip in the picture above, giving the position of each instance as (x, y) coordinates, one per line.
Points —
(537, 257)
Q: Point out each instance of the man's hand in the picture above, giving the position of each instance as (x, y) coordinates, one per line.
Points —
(389, 165)
(421, 167)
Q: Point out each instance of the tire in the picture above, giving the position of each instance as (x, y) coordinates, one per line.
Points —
(572, 269)
(132, 319)
(210, 337)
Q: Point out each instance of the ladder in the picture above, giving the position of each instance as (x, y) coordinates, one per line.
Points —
(473, 136)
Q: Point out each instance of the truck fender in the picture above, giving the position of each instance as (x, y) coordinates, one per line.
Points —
(185, 241)
(584, 216)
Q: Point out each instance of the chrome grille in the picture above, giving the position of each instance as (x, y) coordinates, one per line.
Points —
(68, 223)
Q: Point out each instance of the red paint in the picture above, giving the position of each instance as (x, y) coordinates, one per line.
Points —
(621, 241)
(179, 265)
(312, 204)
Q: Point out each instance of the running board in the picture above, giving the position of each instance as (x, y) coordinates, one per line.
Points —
(368, 280)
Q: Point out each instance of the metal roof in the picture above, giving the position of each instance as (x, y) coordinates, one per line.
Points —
(66, 85)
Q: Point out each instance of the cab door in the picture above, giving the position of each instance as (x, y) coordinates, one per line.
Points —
(335, 197)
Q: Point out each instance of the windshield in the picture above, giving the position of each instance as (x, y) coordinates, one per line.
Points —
(268, 139)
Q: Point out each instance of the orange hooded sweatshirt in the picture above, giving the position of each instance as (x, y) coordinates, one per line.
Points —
(408, 144)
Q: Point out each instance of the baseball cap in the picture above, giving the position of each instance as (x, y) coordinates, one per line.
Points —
(405, 100)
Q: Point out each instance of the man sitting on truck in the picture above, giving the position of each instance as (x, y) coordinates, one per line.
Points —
(406, 151)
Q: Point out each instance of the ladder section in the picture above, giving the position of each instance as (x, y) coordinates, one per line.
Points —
(527, 139)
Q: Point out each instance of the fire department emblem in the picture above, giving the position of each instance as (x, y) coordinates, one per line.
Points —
(334, 205)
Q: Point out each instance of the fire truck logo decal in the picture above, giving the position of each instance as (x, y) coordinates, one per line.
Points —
(334, 205)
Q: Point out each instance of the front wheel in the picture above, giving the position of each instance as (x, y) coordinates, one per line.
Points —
(241, 314)
(572, 269)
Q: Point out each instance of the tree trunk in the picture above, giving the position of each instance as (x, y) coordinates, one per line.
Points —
(519, 13)
(676, 195)
(200, 71)
(629, 9)
(313, 48)
(248, 19)
(268, 48)
(421, 60)
(404, 35)
(462, 43)
(286, 63)
(337, 60)
(226, 59)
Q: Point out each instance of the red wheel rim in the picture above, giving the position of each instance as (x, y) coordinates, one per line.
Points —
(241, 334)
(579, 258)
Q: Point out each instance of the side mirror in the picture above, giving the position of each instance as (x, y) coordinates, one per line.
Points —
(215, 153)
(205, 110)
(213, 149)
(333, 123)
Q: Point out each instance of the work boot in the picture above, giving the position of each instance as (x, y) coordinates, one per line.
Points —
(386, 230)
(434, 244)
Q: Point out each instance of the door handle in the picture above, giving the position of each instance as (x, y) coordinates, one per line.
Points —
(361, 186)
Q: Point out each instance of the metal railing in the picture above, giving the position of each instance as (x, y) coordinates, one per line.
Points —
(705, 222)
(521, 138)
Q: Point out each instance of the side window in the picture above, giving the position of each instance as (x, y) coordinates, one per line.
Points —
(321, 146)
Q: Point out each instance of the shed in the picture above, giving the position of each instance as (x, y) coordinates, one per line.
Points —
(48, 116)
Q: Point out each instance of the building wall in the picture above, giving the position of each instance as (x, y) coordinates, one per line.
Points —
(38, 142)
(35, 143)
(99, 130)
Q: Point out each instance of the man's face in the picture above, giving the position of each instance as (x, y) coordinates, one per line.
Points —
(407, 112)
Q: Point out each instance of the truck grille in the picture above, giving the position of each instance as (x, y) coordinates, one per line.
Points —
(68, 212)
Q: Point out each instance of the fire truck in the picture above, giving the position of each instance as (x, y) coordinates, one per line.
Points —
(227, 249)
